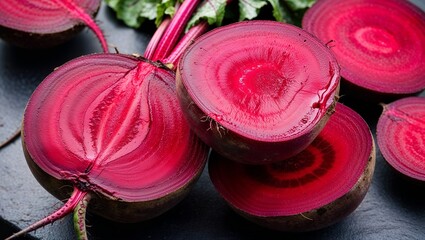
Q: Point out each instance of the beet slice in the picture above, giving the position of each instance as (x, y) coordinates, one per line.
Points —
(314, 189)
(379, 44)
(111, 126)
(401, 135)
(265, 96)
(40, 24)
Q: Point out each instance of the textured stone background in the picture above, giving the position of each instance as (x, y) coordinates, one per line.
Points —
(392, 209)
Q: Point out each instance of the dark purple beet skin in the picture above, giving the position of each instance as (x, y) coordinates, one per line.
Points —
(379, 45)
(264, 97)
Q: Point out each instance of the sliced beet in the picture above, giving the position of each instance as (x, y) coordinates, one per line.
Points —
(401, 136)
(257, 91)
(314, 189)
(39, 24)
(111, 126)
(379, 44)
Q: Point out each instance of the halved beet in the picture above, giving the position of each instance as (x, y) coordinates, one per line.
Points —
(401, 136)
(379, 44)
(314, 189)
(111, 126)
(257, 91)
(46, 23)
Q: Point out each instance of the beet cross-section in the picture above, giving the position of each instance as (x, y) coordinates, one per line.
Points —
(380, 45)
(257, 91)
(314, 189)
(110, 125)
(401, 136)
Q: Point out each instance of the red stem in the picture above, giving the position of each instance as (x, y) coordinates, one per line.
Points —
(79, 13)
(186, 40)
(153, 43)
(174, 30)
(66, 209)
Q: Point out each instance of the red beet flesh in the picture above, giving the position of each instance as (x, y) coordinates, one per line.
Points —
(257, 91)
(401, 136)
(379, 44)
(46, 23)
(312, 190)
(110, 124)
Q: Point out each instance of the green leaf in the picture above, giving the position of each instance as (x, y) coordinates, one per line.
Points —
(166, 7)
(135, 12)
(211, 11)
(249, 9)
(295, 5)
(280, 13)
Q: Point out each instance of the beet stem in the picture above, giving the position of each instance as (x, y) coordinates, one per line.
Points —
(80, 217)
(79, 13)
(186, 40)
(153, 43)
(66, 209)
(174, 30)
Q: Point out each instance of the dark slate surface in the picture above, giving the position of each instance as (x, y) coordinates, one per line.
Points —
(393, 208)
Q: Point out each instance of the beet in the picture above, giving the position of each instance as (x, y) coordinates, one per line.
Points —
(111, 126)
(265, 96)
(400, 135)
(40, 24)
(379, 45)
(312, 190)
(115, 142)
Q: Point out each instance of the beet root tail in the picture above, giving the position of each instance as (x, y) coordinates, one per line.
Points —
(66, 209)
(80, 218)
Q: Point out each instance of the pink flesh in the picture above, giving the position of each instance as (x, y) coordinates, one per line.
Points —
(379, 44)
(401, 136)
(325, 171)
(44, 16)
(50, 16)
(263, 80)
(112, 122)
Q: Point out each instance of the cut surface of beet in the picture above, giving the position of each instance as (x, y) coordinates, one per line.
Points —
(379, 44)
(401, 136)
(271, 82)
(46, 23)
(110, 126)
(311, 190)
(110, 123)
